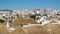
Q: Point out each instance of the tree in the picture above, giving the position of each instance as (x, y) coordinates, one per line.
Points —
(33, 16)
(1, 21)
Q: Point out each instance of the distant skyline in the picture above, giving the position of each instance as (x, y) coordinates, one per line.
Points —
(29, 4)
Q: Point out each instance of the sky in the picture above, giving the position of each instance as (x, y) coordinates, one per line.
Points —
(29, 4)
